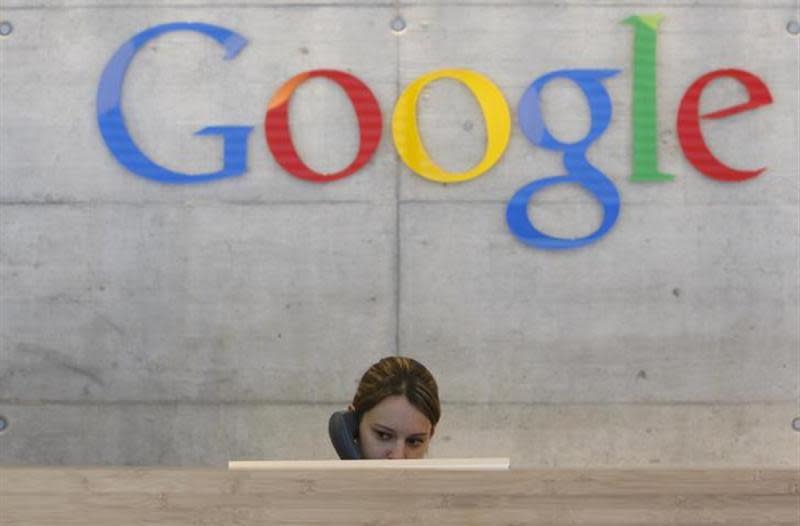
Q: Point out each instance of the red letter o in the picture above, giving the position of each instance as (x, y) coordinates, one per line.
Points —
(279, 138)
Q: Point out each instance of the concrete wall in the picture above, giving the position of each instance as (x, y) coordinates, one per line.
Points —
(144, 323)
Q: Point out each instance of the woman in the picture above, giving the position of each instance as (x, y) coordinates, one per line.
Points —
(397, 408)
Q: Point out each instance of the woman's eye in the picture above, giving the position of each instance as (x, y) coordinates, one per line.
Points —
(416, 442)
(383, 436)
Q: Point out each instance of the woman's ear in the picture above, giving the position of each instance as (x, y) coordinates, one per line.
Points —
(351, 408)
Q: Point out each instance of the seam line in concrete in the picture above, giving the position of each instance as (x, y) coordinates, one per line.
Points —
(355, 5)
(291, 5)
(188, 204)
(446, 403)
(398, 202)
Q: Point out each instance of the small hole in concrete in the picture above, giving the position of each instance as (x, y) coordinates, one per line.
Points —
(796, 424)
(3, 423)
(793, 27)
(6, 28)
(398, 24)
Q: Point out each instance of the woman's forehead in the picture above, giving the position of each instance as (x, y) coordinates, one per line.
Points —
(399, 415)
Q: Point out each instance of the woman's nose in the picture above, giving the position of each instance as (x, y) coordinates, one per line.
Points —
(397, 451)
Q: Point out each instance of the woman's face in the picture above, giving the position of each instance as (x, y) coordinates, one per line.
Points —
(394, 429)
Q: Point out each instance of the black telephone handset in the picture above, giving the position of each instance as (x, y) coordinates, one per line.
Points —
(343, 429)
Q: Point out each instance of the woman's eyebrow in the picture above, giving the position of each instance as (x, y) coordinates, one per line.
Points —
(383, 428)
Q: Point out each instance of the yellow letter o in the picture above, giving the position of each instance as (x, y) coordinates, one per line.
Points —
(406, 135)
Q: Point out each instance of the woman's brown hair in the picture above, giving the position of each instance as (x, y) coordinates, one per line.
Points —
(398, 375)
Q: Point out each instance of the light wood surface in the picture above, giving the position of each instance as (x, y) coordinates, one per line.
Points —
(126, 496)
(450, 464)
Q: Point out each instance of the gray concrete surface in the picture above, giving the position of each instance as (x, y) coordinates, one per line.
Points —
(148, 324)
(563, 435)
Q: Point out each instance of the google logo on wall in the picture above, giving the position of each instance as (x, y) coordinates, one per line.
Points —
(496, 114)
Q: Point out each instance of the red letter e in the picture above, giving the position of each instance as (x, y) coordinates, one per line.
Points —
(690, 136)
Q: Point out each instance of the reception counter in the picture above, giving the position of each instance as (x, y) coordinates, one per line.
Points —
(180, 496)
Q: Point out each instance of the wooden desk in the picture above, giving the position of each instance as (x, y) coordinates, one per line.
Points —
(112, 497)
